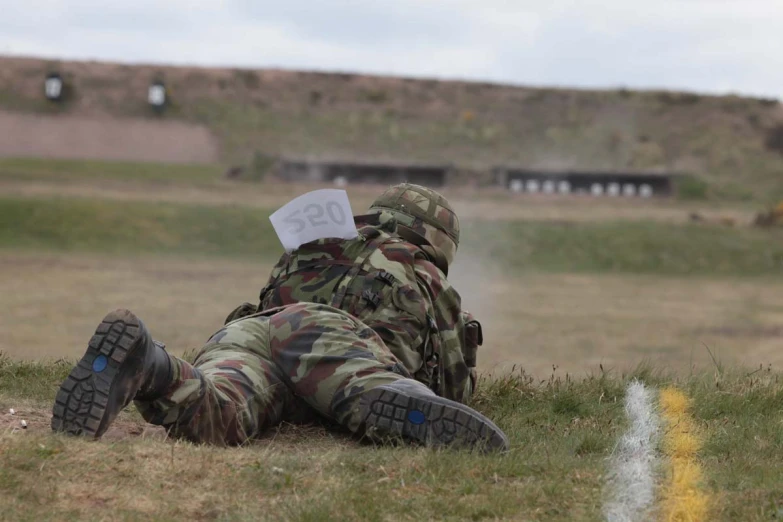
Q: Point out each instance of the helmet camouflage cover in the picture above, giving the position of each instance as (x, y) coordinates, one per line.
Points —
(426, 213)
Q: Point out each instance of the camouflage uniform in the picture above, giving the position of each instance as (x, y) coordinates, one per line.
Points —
(392, 278)
(293, 363)
(282, 364)
(362, 332)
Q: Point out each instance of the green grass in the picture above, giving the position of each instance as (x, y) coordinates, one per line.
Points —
(241, 232)
(689, 188)
(66, 169)
(310, 474)
(633, 247)
(743, 451)
(562, 431)
(131, 227)
(35, 381)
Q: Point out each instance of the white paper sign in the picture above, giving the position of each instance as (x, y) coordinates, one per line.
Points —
(316, 215)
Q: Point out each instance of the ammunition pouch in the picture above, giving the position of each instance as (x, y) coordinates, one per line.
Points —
(473, 338)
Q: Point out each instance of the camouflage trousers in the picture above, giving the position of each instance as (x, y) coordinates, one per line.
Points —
(290, 364)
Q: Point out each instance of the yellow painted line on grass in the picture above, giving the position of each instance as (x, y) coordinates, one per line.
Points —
(682, 497)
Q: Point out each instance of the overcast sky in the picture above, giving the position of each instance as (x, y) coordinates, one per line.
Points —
(702, 45)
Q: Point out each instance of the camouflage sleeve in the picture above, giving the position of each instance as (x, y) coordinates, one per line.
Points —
(457, 358)
(277, 270)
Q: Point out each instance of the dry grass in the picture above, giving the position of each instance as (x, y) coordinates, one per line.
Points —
(574, 322)
(578, 322)
(137, 479)
(561, 432)
(55, 301)
(553, 471)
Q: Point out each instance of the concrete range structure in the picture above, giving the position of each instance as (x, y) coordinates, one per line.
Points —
(531, 181)
(353, 172)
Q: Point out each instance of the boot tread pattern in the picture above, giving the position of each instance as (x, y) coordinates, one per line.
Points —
(433, 421)
(81, 402)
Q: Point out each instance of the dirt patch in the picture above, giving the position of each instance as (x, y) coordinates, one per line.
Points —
(38, 421)
(75, 137)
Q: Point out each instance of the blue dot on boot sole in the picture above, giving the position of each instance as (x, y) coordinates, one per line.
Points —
(99, 364)
(416, 417)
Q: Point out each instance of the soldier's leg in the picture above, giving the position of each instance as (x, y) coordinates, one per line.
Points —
(329, 358)
(342, 368)
(228, 395)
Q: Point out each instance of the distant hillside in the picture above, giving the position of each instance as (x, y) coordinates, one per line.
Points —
(734, 143)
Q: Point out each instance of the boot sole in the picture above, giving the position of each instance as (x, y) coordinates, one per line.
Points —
(81, 404)
(432, 421)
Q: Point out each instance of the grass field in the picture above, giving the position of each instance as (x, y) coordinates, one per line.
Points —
(577, 297)
(125, 227)
(562, 432)
(30, 169)
(575, 322)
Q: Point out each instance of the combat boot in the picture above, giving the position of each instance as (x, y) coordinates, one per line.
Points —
(122, 363)
(410, 410)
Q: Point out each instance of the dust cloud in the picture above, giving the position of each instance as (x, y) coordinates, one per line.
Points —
(486, 286)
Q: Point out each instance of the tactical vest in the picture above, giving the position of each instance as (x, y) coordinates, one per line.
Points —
(339, 273)
(327, 273)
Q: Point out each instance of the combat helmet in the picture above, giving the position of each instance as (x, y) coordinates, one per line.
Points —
(424, 218)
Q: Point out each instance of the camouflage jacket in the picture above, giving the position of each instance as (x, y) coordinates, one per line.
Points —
(393, 287)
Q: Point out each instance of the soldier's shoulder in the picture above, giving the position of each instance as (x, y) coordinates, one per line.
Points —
(433, 277)
(399, 250)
